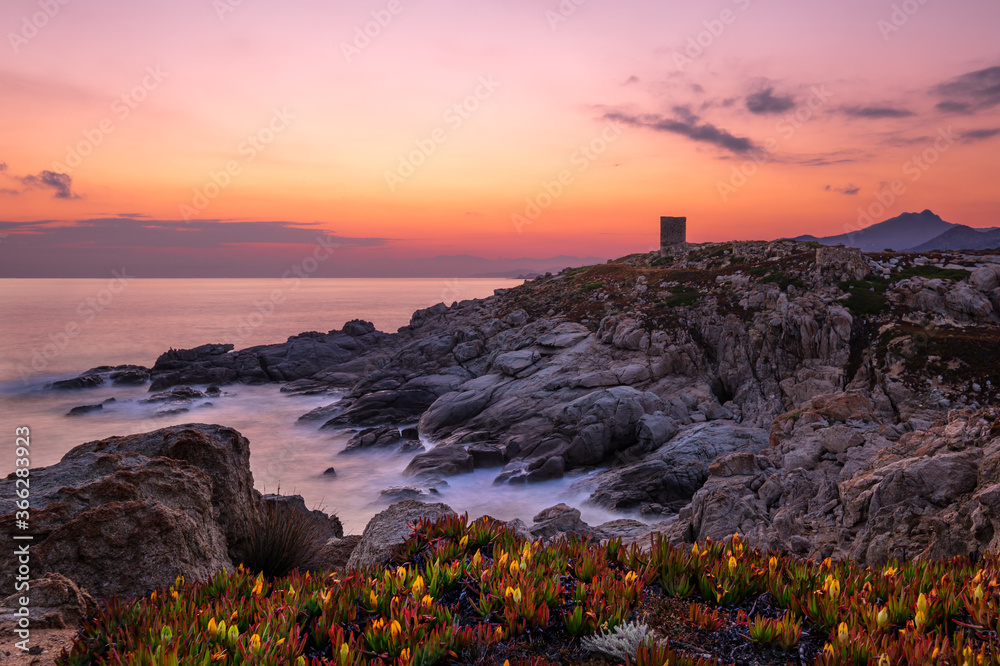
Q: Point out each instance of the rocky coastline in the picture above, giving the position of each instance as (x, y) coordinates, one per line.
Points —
(815, 400)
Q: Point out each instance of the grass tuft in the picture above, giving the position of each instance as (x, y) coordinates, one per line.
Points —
(281, 540)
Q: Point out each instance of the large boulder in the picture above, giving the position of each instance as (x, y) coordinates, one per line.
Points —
(333, 556)
(672, 474)
(392, 528)
(384, 407)
(382, 437)
(118, 523)
(442, 460)
(455, 408)
(125, 515)
(606, 421)
(558, 521)
(220, 452)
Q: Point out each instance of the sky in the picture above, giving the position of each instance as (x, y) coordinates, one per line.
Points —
(235, 137)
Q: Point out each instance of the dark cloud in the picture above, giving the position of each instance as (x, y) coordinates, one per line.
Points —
(970, 92)
(684, 112)
(117, 233)
(953, 107)
(225, 249)
(824, 161)
(169, 248)
(61, 184)
(766, 102)
(876, 112)
(980, 134)
(632, 79)
(7, 190)
(849, 190)
(687, 124)
(3, 166)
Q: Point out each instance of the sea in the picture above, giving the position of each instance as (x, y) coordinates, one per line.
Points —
(56, 329)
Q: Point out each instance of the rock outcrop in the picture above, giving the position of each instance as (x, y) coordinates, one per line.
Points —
(119, 523)
(390, 529)
(125, 515)
(843, 483)
(56, 603)
(301, 357)
(776, 389)
(119, 375)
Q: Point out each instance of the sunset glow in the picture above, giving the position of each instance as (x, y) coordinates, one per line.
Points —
(446, 128)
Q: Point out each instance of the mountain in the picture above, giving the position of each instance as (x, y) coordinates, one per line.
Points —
(899, 233)
(961, 237)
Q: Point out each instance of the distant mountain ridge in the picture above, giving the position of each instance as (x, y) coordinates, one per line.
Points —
(961, 237)
(918, 232)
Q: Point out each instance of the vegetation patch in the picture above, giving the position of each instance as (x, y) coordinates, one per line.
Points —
(968, 357)
(681, 297)
(280, 540)
(476, 593)
(866, 297)
(710, 252)
(932, 273)
(782, 280)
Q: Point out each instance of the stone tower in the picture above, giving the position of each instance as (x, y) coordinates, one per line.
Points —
(673, 231)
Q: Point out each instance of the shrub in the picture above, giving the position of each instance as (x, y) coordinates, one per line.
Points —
(682, 297)
(782, 280)
(866, 297)
(622, 642)
(280, 540)
(932, 272)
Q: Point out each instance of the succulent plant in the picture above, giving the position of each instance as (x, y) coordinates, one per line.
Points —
(458, 589)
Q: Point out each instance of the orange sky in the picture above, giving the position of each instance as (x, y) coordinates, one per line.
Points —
(162, 96)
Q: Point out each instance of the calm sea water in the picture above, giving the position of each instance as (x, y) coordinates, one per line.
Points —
(54, 329)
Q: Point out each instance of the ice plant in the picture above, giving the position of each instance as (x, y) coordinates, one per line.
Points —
(456, 588)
